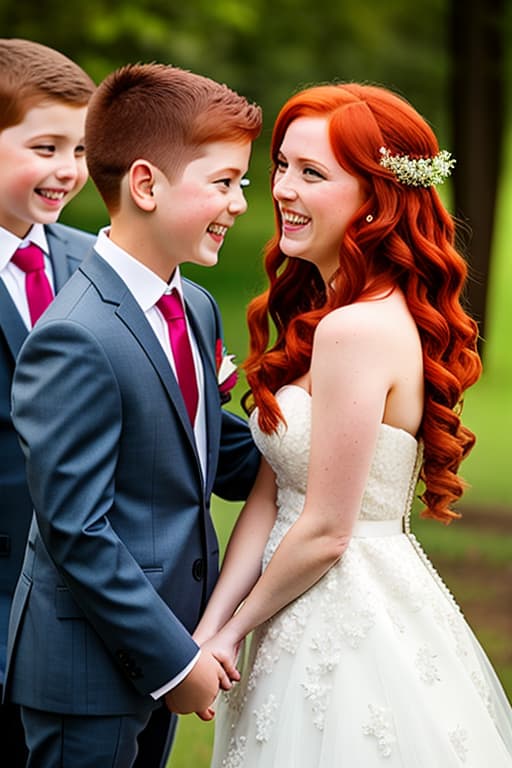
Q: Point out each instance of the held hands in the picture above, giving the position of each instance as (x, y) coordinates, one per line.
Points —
(199, 688)
(224, 648)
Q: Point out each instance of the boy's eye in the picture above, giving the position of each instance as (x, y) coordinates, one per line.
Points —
(228, 183)
(45, 149)
(80, 150)
(225, 182)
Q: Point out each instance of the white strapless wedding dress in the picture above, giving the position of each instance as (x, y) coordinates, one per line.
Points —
(375, 664)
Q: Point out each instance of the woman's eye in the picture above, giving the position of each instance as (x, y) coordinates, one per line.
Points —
(313, 173)
(281, 165)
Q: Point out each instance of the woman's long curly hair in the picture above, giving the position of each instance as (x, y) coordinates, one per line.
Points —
(410, 244)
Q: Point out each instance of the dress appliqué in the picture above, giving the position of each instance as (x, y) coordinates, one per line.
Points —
(380, 726)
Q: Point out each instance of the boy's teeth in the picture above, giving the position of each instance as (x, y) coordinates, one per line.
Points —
(216, 229)
(51, 195)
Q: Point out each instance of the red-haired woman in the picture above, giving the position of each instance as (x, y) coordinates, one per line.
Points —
(360, 656)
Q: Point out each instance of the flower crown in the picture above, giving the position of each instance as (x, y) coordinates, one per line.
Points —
(420, 172)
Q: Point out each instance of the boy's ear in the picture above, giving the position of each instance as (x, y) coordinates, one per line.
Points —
(141, 179)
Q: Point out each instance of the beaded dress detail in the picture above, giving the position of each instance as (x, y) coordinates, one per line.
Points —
(375, 664)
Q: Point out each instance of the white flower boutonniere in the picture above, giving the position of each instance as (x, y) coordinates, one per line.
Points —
(227, 373)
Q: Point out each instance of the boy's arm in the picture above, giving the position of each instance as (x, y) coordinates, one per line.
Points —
(239, 459)
(67, 411)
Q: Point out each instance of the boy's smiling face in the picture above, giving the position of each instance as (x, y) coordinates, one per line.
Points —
(43, 165)
(195, 210)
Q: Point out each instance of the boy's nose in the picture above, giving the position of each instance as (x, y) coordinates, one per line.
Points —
(238, 204)
(68, 167)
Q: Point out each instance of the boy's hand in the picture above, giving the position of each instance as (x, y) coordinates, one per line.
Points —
(200, 687)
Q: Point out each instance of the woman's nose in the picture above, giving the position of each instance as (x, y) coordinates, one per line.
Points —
(283, 189)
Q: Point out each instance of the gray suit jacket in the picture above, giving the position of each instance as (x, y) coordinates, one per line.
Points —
(122, 553)
(68, 247)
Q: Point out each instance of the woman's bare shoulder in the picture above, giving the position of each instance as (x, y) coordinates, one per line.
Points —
(379, 319)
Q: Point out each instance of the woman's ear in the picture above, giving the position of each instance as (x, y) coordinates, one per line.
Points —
(141, 180)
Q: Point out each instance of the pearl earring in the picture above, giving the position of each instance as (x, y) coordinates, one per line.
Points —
(369, 218)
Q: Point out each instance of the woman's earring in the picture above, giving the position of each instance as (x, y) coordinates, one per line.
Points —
(369, 218)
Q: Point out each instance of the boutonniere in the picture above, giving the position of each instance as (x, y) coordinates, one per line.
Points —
(227, 374)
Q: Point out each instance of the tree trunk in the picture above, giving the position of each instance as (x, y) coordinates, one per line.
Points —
(477, 32)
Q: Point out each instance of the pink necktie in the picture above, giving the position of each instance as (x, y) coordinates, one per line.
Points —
(171, 307)
(37, 286)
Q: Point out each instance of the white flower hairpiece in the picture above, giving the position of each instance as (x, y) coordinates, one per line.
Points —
(420, 172)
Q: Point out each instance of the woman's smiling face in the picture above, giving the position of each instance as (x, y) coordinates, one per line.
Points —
(316, 196)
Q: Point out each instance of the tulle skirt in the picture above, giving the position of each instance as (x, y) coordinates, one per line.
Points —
(374, 666)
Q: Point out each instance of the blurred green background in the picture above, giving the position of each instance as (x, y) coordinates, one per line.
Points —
(440, 54)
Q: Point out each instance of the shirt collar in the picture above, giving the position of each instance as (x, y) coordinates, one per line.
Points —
(10, 243)
(146, 286)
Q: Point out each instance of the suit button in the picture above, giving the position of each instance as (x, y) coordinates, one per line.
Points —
(198, 569)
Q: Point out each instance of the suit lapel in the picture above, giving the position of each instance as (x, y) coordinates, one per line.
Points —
(64, 263)
(211, 395)
(15, 330)
(115, 291)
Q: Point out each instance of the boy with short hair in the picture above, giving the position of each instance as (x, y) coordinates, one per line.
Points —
(122, 554)
(43, 101)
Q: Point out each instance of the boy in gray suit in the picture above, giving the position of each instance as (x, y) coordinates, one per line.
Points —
(126, 439)
(43, 101)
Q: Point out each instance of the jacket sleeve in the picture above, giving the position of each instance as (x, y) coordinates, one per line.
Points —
(66, 407)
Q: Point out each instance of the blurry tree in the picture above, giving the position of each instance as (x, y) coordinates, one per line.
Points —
(478, 31)
(446, 57)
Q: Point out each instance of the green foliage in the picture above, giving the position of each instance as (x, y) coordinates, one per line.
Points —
(264, 48)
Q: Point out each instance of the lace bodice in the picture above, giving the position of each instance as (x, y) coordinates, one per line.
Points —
(392, 478)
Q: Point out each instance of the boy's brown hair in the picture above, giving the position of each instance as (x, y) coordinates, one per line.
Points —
(32, 73)
(161, 114)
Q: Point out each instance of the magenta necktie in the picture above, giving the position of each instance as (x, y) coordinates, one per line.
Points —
(37, 286)
(171, 307)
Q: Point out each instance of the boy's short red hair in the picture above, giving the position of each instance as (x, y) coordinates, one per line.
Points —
(31, 73)
(161, 114)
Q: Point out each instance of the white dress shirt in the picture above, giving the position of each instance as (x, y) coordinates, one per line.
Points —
(13, 276)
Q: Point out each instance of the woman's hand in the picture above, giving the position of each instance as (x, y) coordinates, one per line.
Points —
(225, 647)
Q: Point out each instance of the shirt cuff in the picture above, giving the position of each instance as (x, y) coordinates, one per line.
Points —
(176, 680)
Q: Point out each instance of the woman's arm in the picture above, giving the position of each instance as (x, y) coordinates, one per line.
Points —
(241, 566)
(351, 377)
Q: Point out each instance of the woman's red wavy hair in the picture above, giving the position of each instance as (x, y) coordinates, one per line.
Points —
(410, 243)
